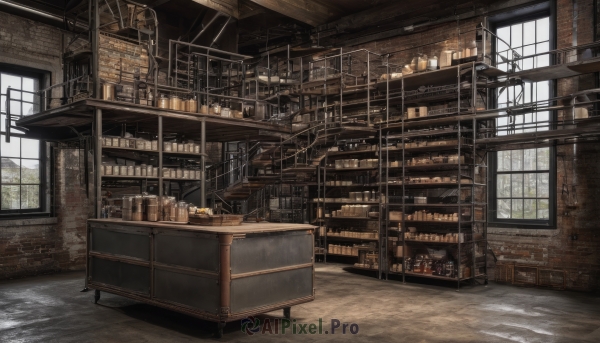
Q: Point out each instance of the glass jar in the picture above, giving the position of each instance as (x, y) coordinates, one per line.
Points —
(137, 171)
(124, 142)
(108, 169)
(162, 102)
(126, 208)
(174, 146)
(147, 145)
(137, 208)
(115, 141)
(186, 173)
(180, 147)
(149, 170)
(166, 172)
(154, 172)
(167, 146)
(432, 63)
(130, 171)
(102, 170)
(143, 170)
(196, 148)
(181, 214)
(198, 174)
(154, 145)
(139, 144)
(179, 173)
(422, 63)
(123, 170)
(151, 202)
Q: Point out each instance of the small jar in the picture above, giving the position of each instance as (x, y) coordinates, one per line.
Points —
(108, 169)
(196, 148)
(149, 170)
(180, 147)
(143, 170)
(130, 171)
(179, 173)
(198, 174)
(137, 170)
(102, 170)
(166, 172)
(106, 141)
(147, 145)
(115, 141)
(186, 174)
(123, 170)
(174, 146)
(154, 145)
(154, 172)
(124, 142)
(167, 146)
(139, 144)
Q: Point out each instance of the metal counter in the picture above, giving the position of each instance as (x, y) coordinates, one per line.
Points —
(214, 273)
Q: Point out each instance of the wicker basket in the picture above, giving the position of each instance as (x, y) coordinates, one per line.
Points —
(216, 220)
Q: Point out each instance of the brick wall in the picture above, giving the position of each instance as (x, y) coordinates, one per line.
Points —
(547, 248)
(43, 245)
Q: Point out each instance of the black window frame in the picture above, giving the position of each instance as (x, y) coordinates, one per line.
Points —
(546, 9)
(42, 77)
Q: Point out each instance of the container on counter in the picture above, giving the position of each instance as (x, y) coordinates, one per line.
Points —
(137, 208)
(181, 212)
(126, 208)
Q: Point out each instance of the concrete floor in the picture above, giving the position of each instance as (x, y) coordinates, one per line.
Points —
(51, 309)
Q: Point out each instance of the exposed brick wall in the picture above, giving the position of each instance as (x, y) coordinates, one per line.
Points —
(116, 54)
(546, 248)
(43, 245)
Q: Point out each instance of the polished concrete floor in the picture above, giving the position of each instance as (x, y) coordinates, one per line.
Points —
(51, 309)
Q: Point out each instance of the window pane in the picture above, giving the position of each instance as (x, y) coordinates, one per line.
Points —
(503, 186)
(503, 33)
(516, 160)
(29, 84)
(543, 209)
(30, 171)
(503, 206)
(30, 197)
(3, 104)
(543, 185)
(30, 148)
(529, 159)
(11, 170)
(504, 160)
(517, 209)
(529, 183)
(543, 90)
(529, 211)
(517, 185)
(543, 29)
(3, 122)
(11, 197)
(543, 158)
(12, 149)
(529, 32)
(516, 35)
(28, 109)
(15, 108)
(12, 82)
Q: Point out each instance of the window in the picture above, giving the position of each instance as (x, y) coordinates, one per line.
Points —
(21, 168)
(522, 182)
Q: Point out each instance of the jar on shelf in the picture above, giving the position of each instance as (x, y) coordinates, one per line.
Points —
(108, 169)
(180, 147)
(124, 142)
(143, 170)
(166, 172)
(162, 102)
(414, 63)
(147, 145)
(102, 169)
(154, 145)
(196, 148)
(140, 144)
(198, 174)
(130, 171)
(422, 63)
(167, 146)
(137, 171)
(179, 173)
(123, 170)
(175, 103)
(432, 63)
(186, 173)
(154, 172)
(115, 141)
(174, 146)
(106, 141)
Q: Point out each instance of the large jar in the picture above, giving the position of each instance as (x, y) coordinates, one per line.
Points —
(422, 63)
(137, 208)
(192, 105)
(175, 103)
(162, 102)
(152, 208)
(126, 209)
(181, 214)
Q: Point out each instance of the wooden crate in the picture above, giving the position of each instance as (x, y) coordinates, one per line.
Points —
(505, 273)
(216, 220)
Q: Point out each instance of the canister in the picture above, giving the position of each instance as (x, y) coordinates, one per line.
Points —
(185, 105)
(130, 171)
(147, 145)
(204, 109)
(167, 146)
(108, 91)
(196, 148)
(180, 147)
(149, 169)
(115, 141)
(186, 173)
(174, 146)
(123, 170)
(108, 169)
(139, 144)
(422, 111)
(102, 169)
(422, 63)
(162, 102)
(137, 171)
(154, 145)
(192, 105)
(175, 103)
(143, 170)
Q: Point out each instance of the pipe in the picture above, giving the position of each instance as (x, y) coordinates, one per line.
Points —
(203, 163)
(98, 160)
(220, 32)
(218, 14)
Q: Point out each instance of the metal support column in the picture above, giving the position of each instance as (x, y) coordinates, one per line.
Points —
(160, 156)
(203, 163)
(98, 161)
(95, 50)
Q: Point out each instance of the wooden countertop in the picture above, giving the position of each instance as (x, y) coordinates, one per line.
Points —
(245, 228)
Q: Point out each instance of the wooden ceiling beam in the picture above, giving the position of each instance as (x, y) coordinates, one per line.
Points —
(229, 7)
(307, 11)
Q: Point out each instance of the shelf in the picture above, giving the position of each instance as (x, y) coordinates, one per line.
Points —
(427, 205)
(356, 218)
(123, 177)
(351, 169)
(165, 153)
(345, 153)
(347, 202)
(330, 254)
(433, 185)
(428, 148)
(342, 238)
(430, 276)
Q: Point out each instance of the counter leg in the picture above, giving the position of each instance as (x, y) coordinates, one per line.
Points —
(287, 312)
(220, 327)
(96, 296)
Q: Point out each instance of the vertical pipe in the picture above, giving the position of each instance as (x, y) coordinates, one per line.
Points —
(203, 163)
(368, 90)
(98, 160)
(341, 85)
(459, 179)
(95, 50)
(225, 241)
(403, 219)
(160, 155)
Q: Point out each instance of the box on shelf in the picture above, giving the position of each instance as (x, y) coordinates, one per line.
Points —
(395, 215)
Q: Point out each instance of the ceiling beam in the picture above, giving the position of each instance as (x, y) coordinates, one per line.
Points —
(229, 7)
(307, 11)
